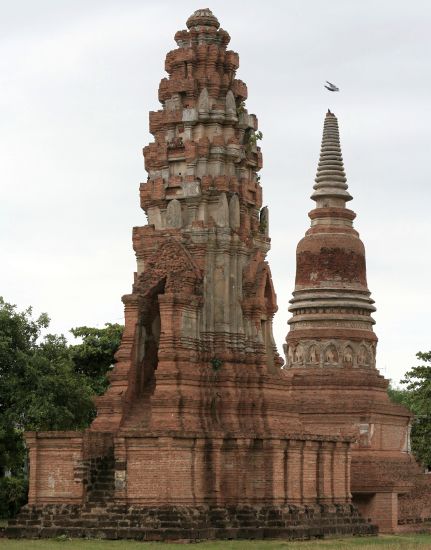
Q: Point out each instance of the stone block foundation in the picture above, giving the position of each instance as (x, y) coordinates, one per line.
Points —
(189, 523)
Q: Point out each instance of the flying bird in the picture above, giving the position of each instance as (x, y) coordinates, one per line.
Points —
(331, 87)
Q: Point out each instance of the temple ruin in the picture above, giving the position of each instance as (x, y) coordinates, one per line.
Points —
(203, 433)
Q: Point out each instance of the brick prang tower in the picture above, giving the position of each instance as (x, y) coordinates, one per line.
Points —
(203, 299)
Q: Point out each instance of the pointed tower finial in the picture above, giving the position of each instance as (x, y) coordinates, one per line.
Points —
(203, 16)
(331, 182)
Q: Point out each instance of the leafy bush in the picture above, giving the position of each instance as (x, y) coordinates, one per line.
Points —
(13, 495)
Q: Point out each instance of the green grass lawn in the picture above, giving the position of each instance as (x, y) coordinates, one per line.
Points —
(405, 542)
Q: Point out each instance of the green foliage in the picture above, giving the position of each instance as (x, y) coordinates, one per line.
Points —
(421, 440)
(418, 398)
(398, 395)
(13, 494)
(251, 138)
(45, 384)
(12, 449)
(39, 389)
(241, 108)
(418, 383)
(94, 357)
(216, 363)
(255, 137)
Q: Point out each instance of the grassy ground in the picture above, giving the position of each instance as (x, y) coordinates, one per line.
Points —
(389, 542)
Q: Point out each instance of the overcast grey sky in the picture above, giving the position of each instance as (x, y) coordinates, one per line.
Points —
(78, 78)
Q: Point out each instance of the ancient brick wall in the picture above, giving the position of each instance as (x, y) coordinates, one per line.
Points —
(415, 506)
(60, 463)
(53, 458)
(240, 471)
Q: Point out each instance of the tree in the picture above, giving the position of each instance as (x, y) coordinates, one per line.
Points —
(12, 449)
(40, 389)
(45, 384)
(399, 395)
(94, 357)
(418, 398)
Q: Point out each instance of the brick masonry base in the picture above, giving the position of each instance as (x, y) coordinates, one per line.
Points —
(190, 523)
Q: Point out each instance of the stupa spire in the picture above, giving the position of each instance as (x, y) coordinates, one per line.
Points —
(330, 188)
(331, 346)
(331, 323)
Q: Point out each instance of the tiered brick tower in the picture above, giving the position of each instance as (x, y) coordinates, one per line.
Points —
(198, 334)
(196, 436)
(331, 346)
(203, 299)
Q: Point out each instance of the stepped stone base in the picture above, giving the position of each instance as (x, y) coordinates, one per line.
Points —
(191, 523)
